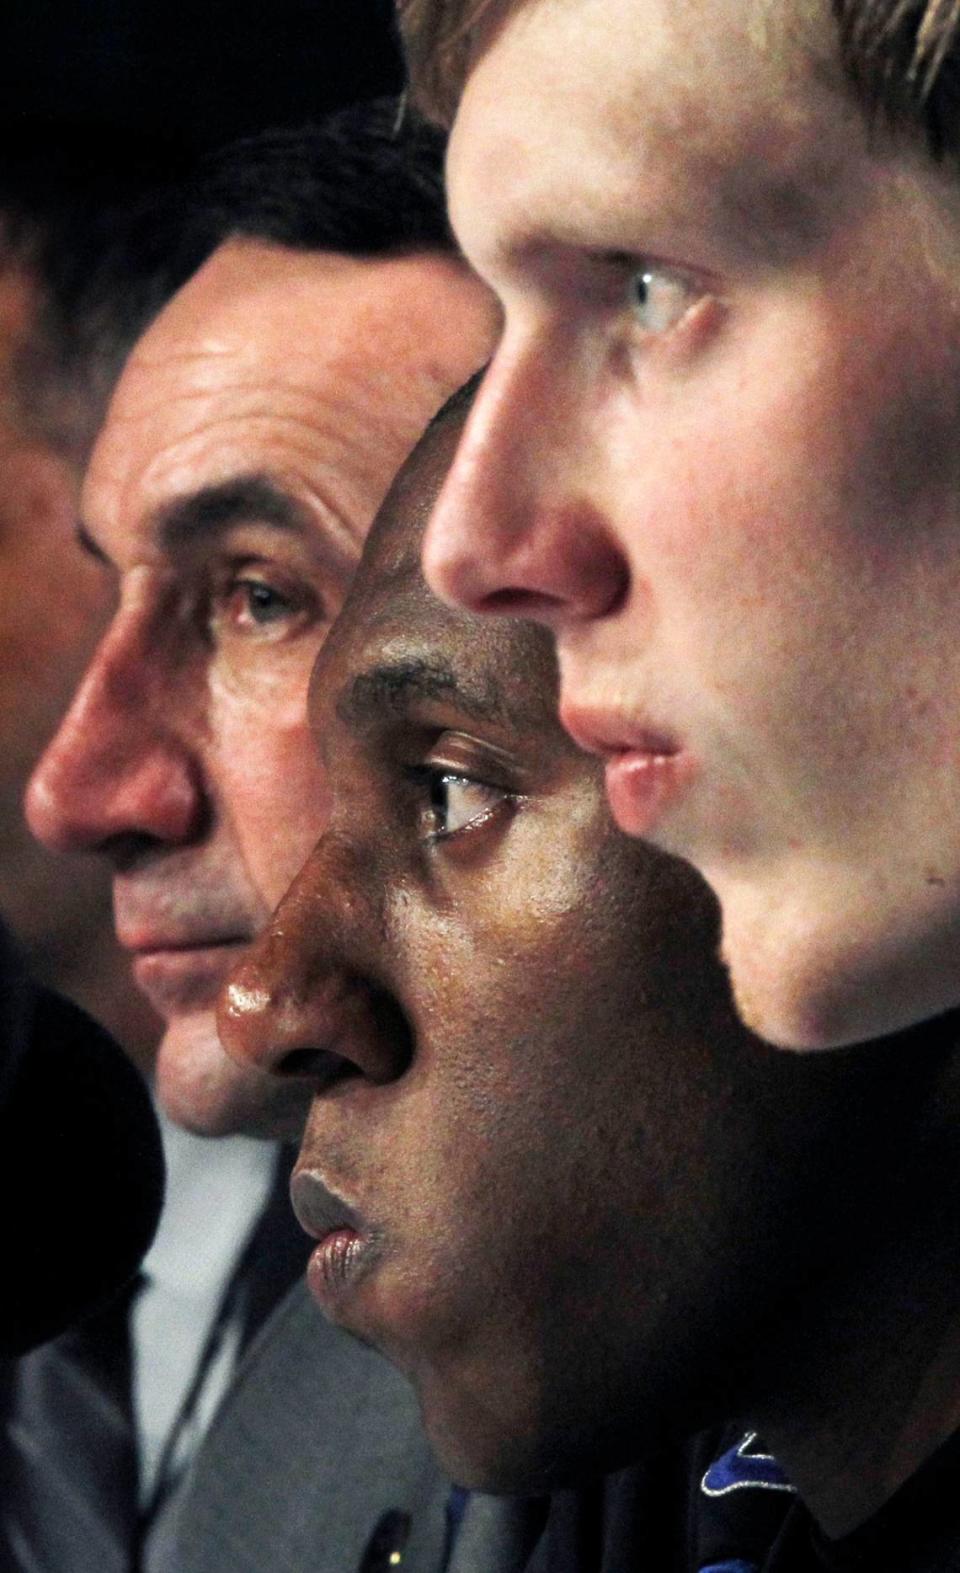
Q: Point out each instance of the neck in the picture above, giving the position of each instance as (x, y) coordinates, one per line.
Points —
(861, 1382)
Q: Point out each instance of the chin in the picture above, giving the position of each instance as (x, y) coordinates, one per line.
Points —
(200, 1088)
(840, 982)
(485, 1458)
(830, 961)
(518, 1425)
(500, 1440)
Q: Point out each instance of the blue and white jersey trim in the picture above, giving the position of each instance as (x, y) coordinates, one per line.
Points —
(739, 1469)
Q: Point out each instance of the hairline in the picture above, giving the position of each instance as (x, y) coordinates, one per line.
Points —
(899, 61)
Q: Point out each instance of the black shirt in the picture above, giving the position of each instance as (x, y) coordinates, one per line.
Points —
(721, 1504)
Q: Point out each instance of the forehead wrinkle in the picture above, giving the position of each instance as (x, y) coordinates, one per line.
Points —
(347, 394)
(322, 479)
(365, 368)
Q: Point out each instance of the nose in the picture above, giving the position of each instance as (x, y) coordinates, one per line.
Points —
(119, 774)
(304, 1000)
(519, 528)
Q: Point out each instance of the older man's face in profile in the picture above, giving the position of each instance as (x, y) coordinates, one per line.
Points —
(251, 438)
(717, 454)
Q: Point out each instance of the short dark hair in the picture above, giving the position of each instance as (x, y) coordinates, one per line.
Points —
(108, 230)
(367, 181)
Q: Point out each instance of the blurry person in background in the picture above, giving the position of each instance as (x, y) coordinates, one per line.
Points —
(62, 342)
(252, 435)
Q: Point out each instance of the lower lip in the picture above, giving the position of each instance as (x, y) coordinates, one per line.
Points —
(185, 979)
(642, 786)
(334, 1266)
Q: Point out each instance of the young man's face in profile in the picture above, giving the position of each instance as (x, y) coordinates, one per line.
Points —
(546, 1167)
(717, 454)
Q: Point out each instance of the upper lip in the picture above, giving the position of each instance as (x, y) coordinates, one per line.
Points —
(318, 1209)
(602, 731)
(143, 942)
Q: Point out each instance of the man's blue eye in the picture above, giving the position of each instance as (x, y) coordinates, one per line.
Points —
(659, 298)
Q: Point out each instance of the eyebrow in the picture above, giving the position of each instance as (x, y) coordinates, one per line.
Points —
(394, 688)
(244, 499)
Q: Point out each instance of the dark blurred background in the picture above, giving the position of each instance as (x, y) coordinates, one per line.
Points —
(197, 71)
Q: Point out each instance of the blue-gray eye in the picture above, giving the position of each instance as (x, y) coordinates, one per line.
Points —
(659, 298)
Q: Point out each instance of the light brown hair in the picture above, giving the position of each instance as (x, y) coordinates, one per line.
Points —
(901, 57)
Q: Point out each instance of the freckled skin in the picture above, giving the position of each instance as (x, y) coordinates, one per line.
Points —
(186, 758)
(743, 527)
(529, 1080)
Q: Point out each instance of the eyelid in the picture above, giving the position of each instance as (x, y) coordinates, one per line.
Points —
(461, 753)
(626, 263)
(681, 315)
(304, 606)
(284, 581)
(459, 757)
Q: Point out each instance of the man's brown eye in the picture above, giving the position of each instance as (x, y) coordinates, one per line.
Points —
(249, 605)
(457, 802)
(263, 604)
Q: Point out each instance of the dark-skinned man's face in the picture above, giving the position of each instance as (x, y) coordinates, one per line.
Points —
(548, 1171)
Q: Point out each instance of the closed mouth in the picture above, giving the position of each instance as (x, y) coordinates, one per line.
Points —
(185, 977)
(161, 946)
(344, 1243)
(319, 1210)
(601, 732)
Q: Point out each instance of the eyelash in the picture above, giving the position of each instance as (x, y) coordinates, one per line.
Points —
(296, 604)
(682, 291)
(665, 304)
(427, 779)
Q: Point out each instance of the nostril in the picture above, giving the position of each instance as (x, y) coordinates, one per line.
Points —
(520, 603)
(395, 1034)
(320, 1066)
(374, 1041)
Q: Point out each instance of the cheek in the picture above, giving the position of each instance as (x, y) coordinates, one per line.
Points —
(269, 787)
(788, 501)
